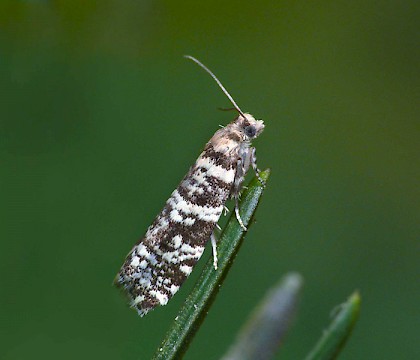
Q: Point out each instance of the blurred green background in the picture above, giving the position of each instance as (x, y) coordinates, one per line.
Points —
(101, 117)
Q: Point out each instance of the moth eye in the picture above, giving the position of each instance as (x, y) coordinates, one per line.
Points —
(250, 131)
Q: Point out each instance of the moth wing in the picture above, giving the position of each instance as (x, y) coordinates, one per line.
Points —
(160, 262)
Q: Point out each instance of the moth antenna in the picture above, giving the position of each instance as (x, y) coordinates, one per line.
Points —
(199, 63)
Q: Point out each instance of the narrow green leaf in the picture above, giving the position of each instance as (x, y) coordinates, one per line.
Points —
(204, 292)
(335, 337)
(266, 328)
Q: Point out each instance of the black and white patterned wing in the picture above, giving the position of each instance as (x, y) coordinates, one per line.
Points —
(159, 263)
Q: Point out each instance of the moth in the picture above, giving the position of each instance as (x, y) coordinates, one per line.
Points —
(159, 263)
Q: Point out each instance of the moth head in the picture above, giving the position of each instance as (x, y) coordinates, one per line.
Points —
(249, 127)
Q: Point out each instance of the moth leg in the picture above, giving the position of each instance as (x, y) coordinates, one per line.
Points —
(213, 245)
(237, 214)
(241, 169)
(255, 167)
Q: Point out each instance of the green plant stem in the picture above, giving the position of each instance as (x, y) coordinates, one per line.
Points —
(335, 337)
(204, 292)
